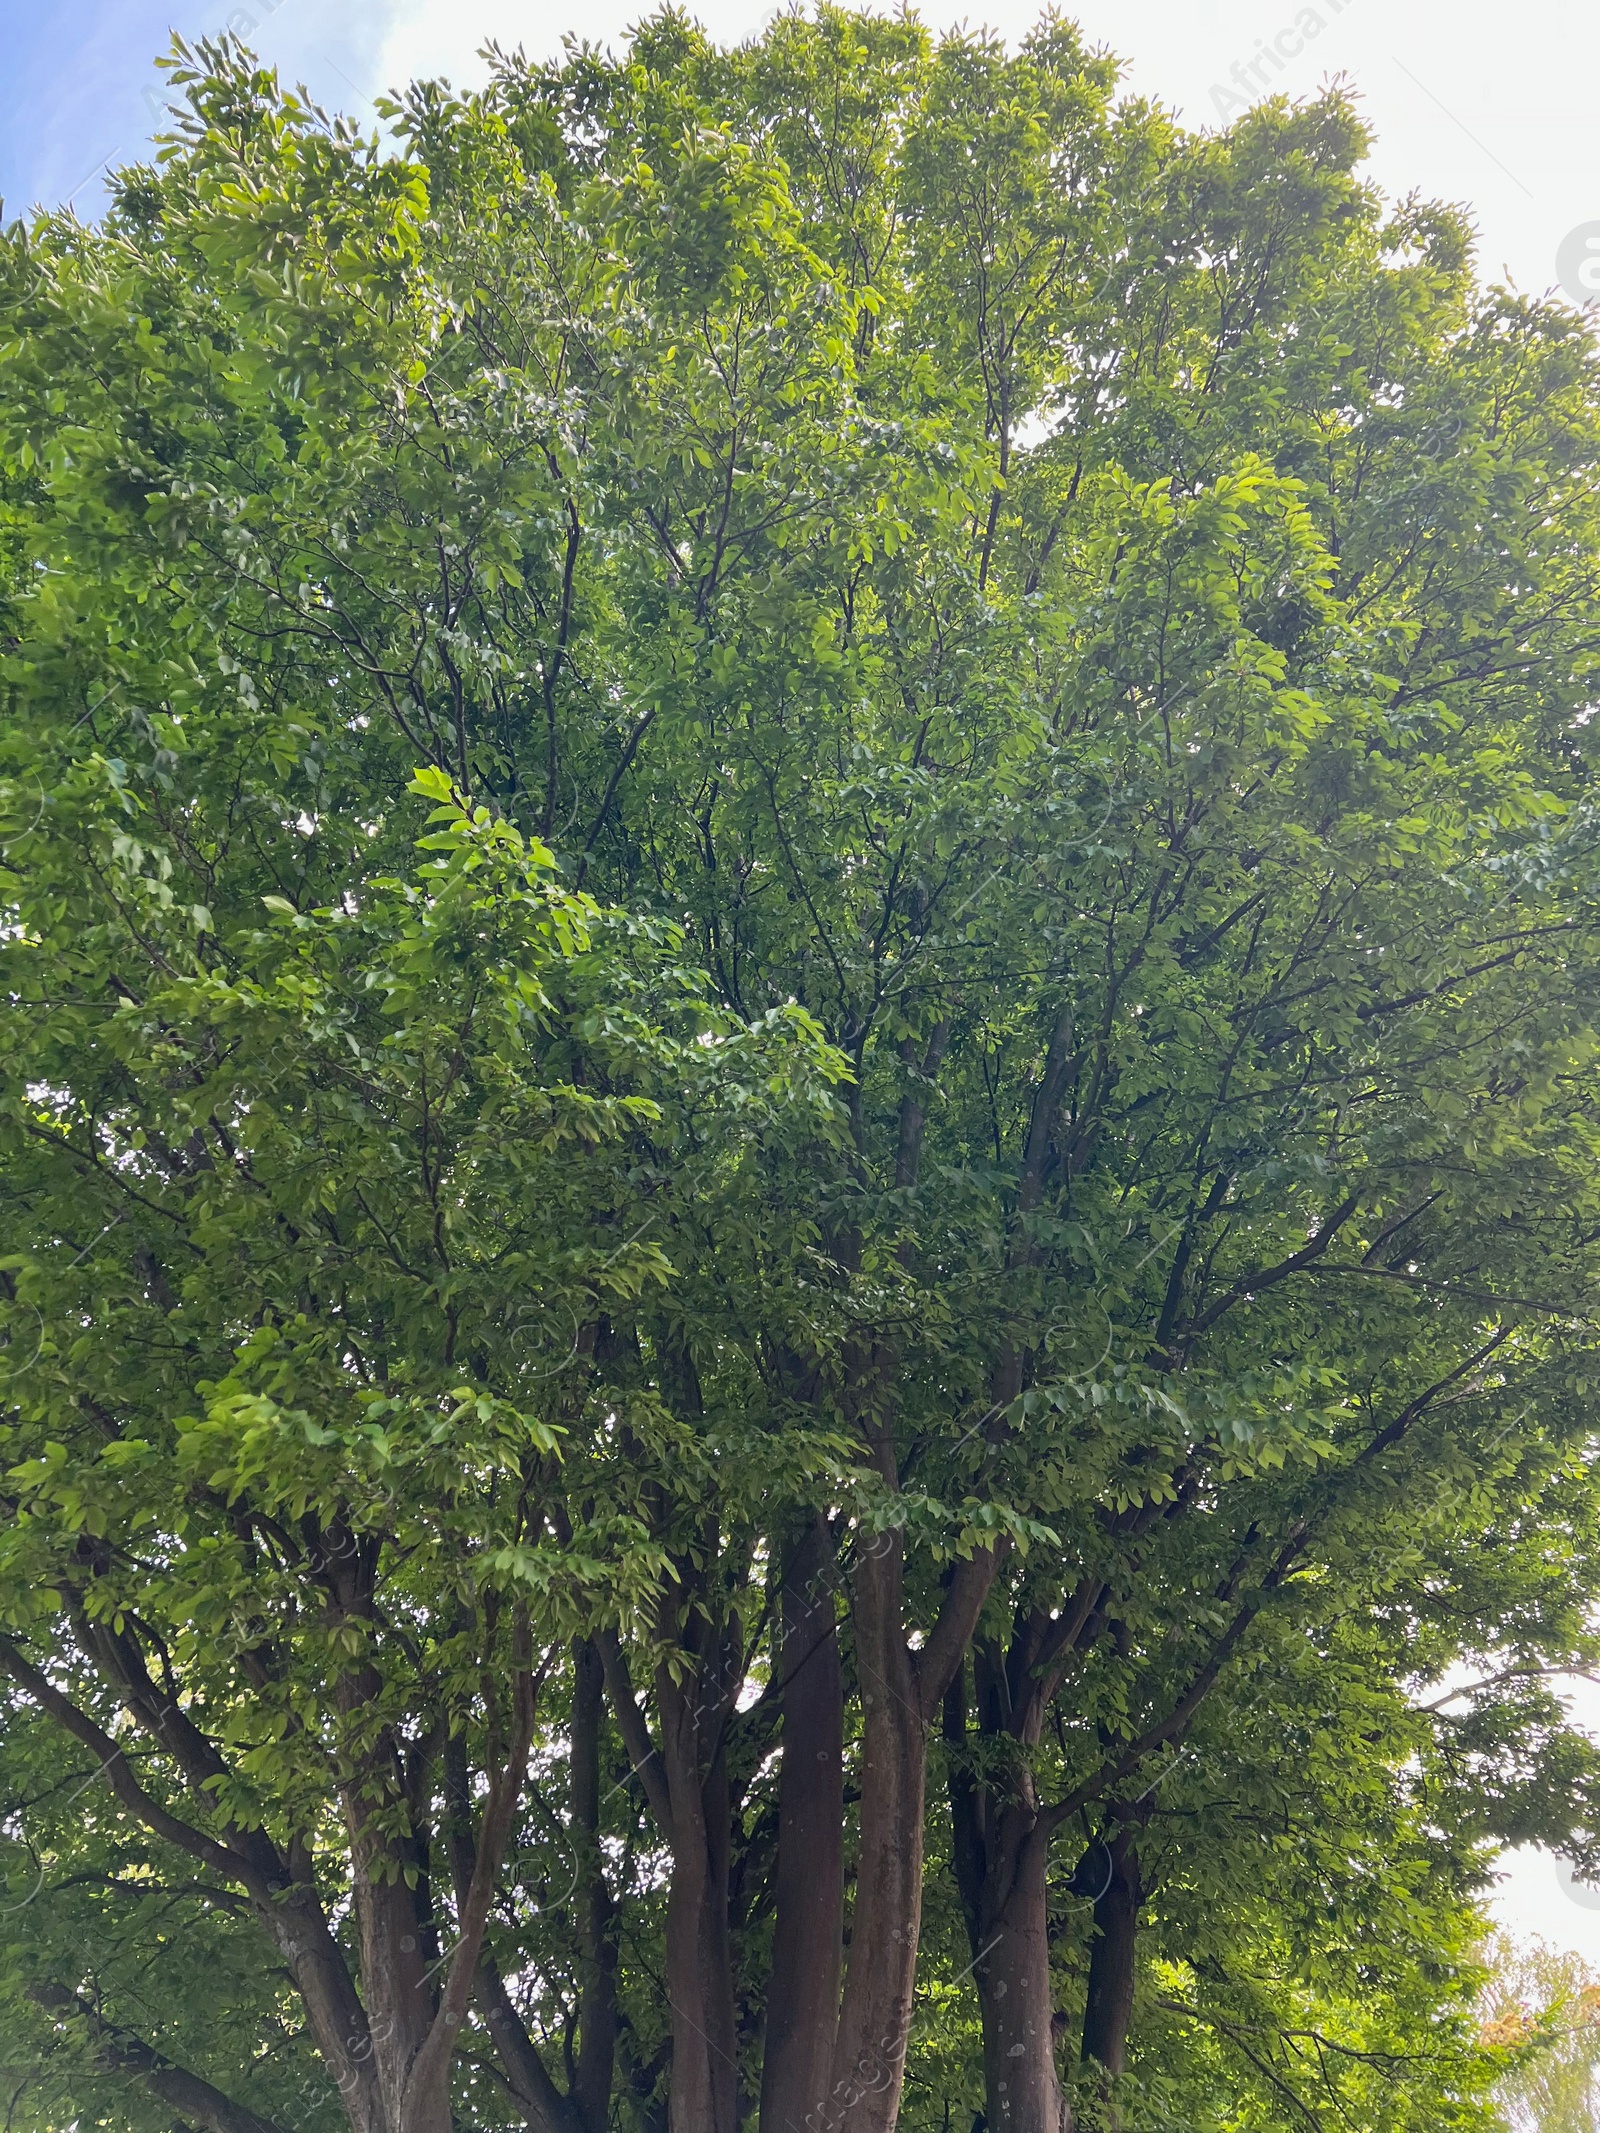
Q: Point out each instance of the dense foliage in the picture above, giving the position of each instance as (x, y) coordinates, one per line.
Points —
(798, 1132)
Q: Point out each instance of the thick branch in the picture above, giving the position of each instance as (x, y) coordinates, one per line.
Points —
(546, 2109)
(1268, 1277)
(292, 1914)
(542, 2103)
(219, 1857)
(1395, 1430)
(119, 2051)
(1041, 1122)
(643, 1755)
(946, 1647)
(158, 1712)
(1176, 1723)
(430, 2070)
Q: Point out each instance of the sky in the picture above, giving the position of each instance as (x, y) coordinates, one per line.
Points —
(1496, 109)
(1537, 1897)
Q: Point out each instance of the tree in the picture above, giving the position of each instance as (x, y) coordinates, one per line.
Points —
(1070, 644)
(1540, 2006)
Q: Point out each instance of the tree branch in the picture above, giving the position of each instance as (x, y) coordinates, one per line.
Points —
(219, 1857)
(291, 1913)
(119, 2051)
(643, 1754)
(935, 1665)
(430, 2070)
(1391, 1435)
(1176, 1722)
(527, 2076)
(1269, 1277)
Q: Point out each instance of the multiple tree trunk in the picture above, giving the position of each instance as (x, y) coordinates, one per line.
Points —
(839, 2024)
(839, 2005)
(836, 2033)
(837, 2027)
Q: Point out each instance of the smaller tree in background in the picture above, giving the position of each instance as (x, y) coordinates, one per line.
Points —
(1542, 2013)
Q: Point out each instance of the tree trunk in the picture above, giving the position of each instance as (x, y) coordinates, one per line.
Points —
(1021, 2084)
(395, 1987)
(597, 1993)
(1000, 1852)
(807, 1951)
(875, 2019)
(1109, 2009)
(699, 1954)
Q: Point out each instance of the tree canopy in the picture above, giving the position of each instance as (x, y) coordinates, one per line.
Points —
(798, 1121)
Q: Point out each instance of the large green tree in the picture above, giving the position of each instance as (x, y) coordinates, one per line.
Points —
(979, 1114)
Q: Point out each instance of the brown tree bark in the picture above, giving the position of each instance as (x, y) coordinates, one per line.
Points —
(875, 2017)
(1108, 2011)
(685, 1781)
(595, 2070)
(1013, 1976)
(198, 2103)
(389, 2048)
(395, 1987)
(1001, 1857)
(699, 1955)
(544, 2108)
(901, 1688)
(424, 2102)
(807, 1957)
